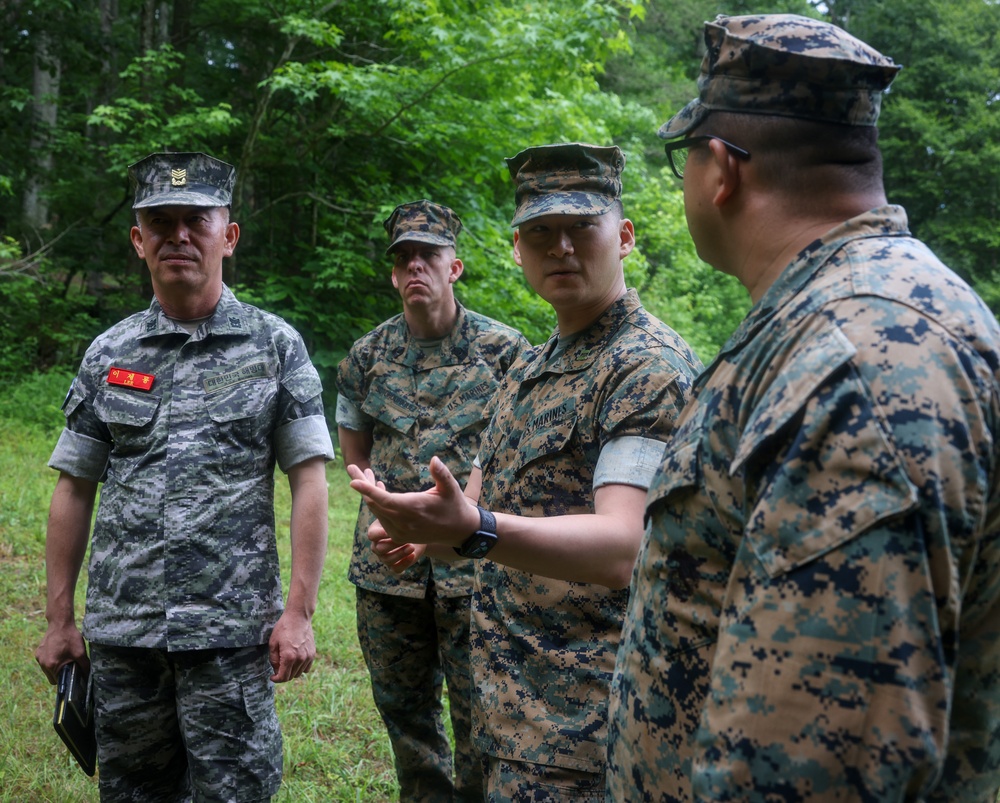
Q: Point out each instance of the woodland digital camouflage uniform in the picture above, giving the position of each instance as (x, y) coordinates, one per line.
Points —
(543, 650)
(816, 608)
(422, 402)
(183, 553)
(823, 528)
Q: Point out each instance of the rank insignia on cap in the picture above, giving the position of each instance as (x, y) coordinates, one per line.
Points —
(181, 179)
(130, 379)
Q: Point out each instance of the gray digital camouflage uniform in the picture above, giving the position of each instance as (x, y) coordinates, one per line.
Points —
(183, 553)
(824, 548)
(423, 402)
(184, 433)
(543, 650)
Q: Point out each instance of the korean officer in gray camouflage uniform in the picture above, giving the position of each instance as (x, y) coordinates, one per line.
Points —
(816, 609)
(578, 428)
(413, 387)
(180, 414)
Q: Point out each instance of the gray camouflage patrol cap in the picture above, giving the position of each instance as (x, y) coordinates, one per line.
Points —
(422, 222)
(789, 66)
(181, 179)
(569, 178)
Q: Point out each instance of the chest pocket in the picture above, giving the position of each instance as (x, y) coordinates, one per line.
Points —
(545, 443)
(125, 412)
(129, 416)
(242, 416)
(381, 406)
(394, 425)
(247, 400)
(549, 470)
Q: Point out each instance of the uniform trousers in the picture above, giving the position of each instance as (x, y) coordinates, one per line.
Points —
(197, 725)
(411, 646)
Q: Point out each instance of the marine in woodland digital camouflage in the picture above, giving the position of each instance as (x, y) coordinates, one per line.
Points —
(816, 608)
(786, 65)
(408, 660)
(183, 552)
(422, 222)
(569, 178)
(543, 650)
(232, 742)
(181, 179)
(424, 403)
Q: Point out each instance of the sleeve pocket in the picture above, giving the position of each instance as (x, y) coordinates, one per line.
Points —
(74, 398)
(679, 468)
(833, 473)
(303, 383)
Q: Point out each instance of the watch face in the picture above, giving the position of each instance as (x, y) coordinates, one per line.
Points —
(479, 545)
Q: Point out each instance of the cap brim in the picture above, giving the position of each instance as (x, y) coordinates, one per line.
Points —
(684, 121)
(180, 198)
(420, 237)
(562, 203)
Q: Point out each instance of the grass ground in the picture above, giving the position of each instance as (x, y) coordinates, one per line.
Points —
(335, 746)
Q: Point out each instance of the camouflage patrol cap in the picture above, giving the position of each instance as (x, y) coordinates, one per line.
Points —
(569, 178)
(422, 222)
(789, 66)
(181, 179)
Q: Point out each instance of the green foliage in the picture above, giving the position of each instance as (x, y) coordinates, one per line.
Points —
(35, 401)
(940, 125)
(174, 119)
(40, 325)
(333, 118)
(335, 114)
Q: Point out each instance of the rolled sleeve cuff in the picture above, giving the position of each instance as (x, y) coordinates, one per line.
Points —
(629, 460)
(80, 456)
(350, 416)
(301, 439)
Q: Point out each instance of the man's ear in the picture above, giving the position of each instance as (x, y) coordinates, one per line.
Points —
(626, 238)
(728, 169)
(136, 235)
(456, 270)
(232, 237)
(517, 251)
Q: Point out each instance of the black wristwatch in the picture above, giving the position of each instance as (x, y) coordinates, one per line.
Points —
(482, 540)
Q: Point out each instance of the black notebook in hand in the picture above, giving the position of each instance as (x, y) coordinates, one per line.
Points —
(74, 716)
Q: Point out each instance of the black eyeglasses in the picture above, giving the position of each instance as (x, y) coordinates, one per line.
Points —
(677, 152)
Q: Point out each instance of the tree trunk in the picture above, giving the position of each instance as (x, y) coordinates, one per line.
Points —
(45, 94)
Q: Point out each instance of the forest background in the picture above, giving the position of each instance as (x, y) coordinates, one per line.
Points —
(336, 112)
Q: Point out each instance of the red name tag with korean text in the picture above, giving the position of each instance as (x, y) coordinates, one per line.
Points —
(130, 379)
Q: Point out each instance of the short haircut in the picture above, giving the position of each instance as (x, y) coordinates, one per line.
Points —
(788, 152)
